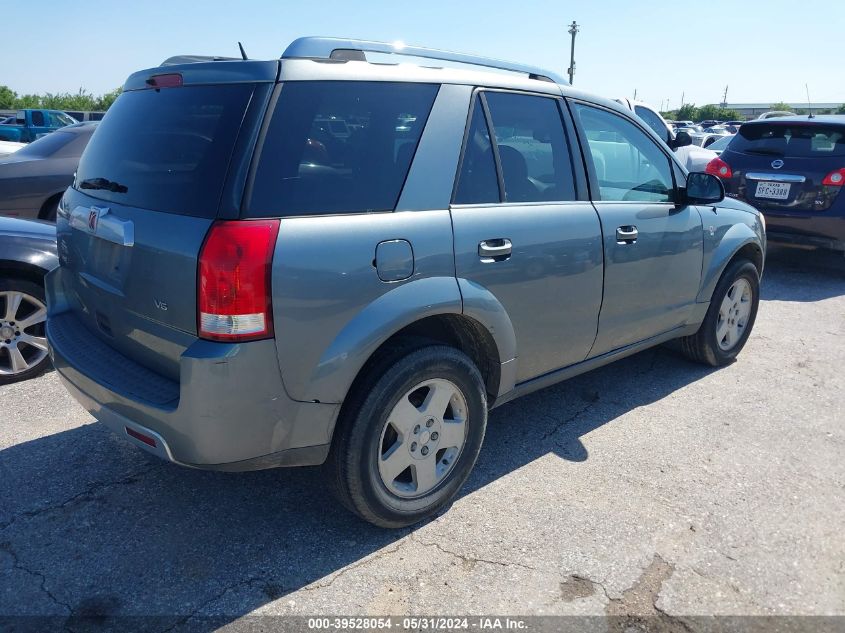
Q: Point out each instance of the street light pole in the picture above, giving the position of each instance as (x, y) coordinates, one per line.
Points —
(573, 30)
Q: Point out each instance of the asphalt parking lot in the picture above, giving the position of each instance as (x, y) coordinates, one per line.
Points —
(651, 487)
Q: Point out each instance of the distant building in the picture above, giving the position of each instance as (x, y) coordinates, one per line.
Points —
(753, 110)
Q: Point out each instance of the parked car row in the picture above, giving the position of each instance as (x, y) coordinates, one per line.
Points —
(34, 177)
(793, 170)
(31, 124)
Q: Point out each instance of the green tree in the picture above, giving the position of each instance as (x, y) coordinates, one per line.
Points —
(7, 98)
(688, 112)
(104, 102)
(841, 109)
(780, 105)
(81, 100)
(28, 101)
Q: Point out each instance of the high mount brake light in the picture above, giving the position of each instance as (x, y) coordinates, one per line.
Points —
(170, 80)
(234, 301)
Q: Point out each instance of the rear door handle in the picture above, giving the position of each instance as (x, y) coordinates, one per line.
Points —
(626, 234)
(498, 249)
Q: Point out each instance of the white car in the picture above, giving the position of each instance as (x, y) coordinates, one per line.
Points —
(9, 147)
(691, 156)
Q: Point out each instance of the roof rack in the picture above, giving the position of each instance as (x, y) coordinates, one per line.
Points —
(354, 50)
(193, 59)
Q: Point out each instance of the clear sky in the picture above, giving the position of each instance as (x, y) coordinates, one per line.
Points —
(764, 51)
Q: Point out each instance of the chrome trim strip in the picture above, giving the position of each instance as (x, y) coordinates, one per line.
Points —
(756, 175)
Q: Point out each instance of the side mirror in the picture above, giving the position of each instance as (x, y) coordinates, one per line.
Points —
(704, 188)
(682, 139)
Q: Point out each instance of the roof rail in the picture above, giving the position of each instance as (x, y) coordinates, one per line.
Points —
(354, 50)
(193, 59)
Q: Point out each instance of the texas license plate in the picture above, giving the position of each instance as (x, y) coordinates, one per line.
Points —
(772, 190)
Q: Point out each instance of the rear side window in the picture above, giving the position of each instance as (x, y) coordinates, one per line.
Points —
(38, 118)
(652, 120)
(167, 149)
(800, 140)
(339, 147)
(533, 152)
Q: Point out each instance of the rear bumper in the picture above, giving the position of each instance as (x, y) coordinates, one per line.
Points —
(817, 231)
(229, 410)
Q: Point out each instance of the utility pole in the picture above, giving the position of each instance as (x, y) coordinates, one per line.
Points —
(635, 94)
(573, 30)
(725, 98)
(682, 99)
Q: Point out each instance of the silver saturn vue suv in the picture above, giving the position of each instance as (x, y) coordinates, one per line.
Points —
(325, 260)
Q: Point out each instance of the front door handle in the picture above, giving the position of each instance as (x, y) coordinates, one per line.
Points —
(497, 250)
(626, 234)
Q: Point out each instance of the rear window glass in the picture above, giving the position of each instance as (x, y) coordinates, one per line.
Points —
(47, 145)
(167, 149)
(339, 147)
(801, 140)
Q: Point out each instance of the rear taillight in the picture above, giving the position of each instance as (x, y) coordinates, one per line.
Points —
(836, 178)
(718, 167)
(234, 298)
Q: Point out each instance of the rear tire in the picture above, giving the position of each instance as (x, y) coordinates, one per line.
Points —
(396, 458)
(729, 319)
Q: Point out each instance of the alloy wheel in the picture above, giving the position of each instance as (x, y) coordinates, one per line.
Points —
(23, 343)
(422, 438)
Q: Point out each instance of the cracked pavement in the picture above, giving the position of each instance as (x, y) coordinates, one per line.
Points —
(651, 488)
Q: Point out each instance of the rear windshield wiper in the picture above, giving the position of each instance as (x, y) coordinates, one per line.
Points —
(103, 183)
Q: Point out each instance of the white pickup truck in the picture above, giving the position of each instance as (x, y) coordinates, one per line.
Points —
(692, 157)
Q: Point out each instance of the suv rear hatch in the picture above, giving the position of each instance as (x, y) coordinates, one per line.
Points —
(169, 158)
(785, 166)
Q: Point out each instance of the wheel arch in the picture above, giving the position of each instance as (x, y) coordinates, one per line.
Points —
(432, 309)
(48, 201)
(23, 270)
(740, 242)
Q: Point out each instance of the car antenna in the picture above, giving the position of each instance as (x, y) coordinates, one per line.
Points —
(809, 110)
(243, 52)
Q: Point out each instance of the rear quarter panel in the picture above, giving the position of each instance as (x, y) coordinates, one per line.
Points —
(330, 309)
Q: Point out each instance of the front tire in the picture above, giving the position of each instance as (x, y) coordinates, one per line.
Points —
(409, 435)
(729, 319)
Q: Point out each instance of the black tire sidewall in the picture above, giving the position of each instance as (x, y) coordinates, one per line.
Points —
(741, 269)
(34, 290)
(424, 364)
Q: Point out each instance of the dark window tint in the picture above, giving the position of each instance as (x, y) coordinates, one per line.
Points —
(652, 120)
(167, 149)
(47, 145)
(339, 147)
(628, 164)
(38, 118)
(477, 180)
(802, 140)
(533, 152)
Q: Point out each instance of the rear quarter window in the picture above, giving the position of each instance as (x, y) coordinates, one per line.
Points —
(801, 140)
(338, 147)
(168, 149)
